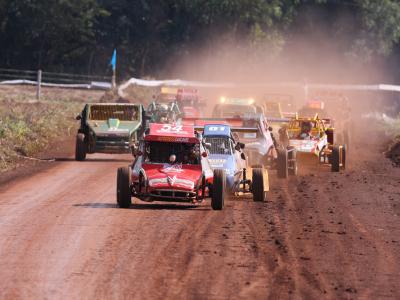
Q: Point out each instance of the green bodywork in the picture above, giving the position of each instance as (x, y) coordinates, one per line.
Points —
(111, 127)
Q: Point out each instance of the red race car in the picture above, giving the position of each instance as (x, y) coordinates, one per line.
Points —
(189, 102)
(171, 164)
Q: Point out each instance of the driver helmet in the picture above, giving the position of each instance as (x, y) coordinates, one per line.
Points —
(172, 158)
(306, 126)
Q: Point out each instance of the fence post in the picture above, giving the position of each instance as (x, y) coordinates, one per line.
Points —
(38, 84)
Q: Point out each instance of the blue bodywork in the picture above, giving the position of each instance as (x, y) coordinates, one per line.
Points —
(231, 162)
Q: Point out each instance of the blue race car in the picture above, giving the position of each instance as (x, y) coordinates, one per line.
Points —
(226, 153)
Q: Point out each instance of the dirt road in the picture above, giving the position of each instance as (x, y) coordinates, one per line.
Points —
(319, 235)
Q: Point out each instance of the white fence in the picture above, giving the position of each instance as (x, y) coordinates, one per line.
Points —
(51, 79)
(307, 87)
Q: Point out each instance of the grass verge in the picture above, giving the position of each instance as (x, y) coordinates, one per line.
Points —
(28, 127)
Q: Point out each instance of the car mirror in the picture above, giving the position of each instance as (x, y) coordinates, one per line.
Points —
(78, 117)
(243, 156)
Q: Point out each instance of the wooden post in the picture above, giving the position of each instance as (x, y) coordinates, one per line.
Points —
(113, 80)
(38, 84)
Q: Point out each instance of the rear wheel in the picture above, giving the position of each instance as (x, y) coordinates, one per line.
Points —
(292, 156)
(282, 163)
(218, 189)
(124, 194)
(344, 152)
(335, 159)
(80, 147)
(258, 185)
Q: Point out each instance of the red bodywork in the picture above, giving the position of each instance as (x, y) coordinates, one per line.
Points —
(172, 181)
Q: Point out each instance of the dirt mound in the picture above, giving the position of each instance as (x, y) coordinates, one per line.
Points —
(394, 151)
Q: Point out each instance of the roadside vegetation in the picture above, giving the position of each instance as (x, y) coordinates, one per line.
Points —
(28, 127)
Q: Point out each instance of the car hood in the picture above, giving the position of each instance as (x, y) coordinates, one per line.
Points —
(114, 126)
(166, 176)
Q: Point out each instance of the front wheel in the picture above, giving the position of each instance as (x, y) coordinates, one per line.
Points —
(218, 189)
(335, 159)
(282, 163)
(292, 156)
(80, 147)
(258, 185)
(124, 194)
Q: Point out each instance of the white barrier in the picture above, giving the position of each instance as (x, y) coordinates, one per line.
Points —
(92, 85)
(305, 86)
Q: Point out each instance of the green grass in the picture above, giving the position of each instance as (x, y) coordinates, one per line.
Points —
(29, 127)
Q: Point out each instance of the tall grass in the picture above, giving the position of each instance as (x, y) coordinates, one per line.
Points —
(27, 128)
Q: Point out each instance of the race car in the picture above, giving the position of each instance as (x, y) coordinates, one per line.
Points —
(273, 110)
(235, 107)
(108, 128)
(227, 154)
(312, 139)
(165, 113)
(189, 102)
(167, 94)
(262, 148)
(313, 108)
(171, 164)
(279, 105)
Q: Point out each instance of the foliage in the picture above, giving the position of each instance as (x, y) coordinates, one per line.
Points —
(80, 35)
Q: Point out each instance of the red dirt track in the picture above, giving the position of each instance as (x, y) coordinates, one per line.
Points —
(320, 235)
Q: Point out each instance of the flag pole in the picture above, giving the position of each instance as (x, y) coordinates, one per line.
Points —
(114, 68)
(113, 80)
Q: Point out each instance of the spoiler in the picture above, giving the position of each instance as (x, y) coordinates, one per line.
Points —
(233, 129)
(278, 120)
(238, 122)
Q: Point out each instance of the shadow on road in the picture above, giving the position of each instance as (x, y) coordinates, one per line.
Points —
(93, 159)
(144, 206)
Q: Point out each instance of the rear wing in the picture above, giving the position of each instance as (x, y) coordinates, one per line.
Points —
(201, 122)
(278, 120)
(233, 129)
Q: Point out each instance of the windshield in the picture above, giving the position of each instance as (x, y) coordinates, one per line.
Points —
(251, 134)
(160, 153)
(219, 145)
(232, 110)
(121, 112)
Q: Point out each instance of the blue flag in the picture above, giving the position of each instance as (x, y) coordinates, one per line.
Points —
(113, 61)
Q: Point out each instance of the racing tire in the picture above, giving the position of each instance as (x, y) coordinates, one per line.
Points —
(282, 163)
(80, 147)
(218, 189)
(344, 150)
(258, 185)
(335, 159)
(124, 194)
(292, 156)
